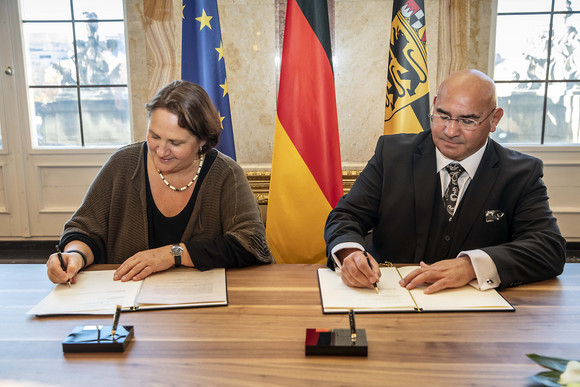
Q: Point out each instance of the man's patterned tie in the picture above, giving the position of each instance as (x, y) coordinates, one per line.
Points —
(452, 192)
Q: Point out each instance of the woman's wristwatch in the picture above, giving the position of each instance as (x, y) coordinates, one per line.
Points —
(176, 251)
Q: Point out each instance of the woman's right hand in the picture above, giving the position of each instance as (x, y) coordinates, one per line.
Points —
(73, 263)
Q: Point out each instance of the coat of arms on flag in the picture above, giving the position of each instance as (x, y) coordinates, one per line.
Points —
(407, 99)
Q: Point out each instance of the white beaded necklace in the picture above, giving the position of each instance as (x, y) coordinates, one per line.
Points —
(189, 184)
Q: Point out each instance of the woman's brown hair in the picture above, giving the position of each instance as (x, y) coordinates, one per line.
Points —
(193, 108)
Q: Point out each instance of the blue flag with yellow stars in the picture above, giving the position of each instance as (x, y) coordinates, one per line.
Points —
(202, 62)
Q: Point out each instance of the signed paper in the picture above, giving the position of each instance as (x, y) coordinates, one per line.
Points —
(337, 297)
(183, 288)
(97, 293)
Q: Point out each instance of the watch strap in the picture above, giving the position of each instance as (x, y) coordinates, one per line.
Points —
(177, 250)
(82, 256)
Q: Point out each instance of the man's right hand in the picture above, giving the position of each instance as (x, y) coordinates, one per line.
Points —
(356, 271)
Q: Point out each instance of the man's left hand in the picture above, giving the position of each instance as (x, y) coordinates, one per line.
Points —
(449, 273)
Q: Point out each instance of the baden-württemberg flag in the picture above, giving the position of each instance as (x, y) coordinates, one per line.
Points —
(306, 180)
(202, 61)
(407, 103)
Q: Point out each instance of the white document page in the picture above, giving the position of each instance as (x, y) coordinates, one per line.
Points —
(94, 293)
(184, 287)
(465, 297)
(338, 297)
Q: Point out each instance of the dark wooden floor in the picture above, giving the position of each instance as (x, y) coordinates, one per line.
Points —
(26, 252)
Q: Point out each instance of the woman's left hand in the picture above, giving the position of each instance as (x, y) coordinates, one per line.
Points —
(144, 263)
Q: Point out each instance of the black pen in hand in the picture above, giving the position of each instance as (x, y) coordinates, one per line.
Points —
(62, 265)
(369, 262)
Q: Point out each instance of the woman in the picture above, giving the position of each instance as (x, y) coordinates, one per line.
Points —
(171, 200)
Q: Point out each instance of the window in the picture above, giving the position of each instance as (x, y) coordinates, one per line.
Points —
(76, 72)
(537, 71)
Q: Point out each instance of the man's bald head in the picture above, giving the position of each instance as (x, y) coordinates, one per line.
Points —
(471, 84)
(467, 95)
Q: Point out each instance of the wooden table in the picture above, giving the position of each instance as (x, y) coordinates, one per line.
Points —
(259, 338)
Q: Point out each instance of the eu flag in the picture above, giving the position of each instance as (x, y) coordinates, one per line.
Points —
(202, 62)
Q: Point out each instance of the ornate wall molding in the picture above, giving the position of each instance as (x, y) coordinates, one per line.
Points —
(463, 39)
(260, 183)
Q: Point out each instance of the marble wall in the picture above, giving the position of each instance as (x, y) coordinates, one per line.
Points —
(458, 36)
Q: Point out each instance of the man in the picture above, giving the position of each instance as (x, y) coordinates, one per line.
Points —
(492, 227)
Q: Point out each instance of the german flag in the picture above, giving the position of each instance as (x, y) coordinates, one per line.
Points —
(407, 102)
(306, 180)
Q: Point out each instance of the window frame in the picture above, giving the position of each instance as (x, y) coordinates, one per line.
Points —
(73, 22)
(544, 82)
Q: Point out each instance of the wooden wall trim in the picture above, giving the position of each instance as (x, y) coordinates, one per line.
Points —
(260, 183)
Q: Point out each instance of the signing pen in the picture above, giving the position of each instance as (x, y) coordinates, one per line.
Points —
(115, 321)
(369, 262)
(62, 265)
(352, 325)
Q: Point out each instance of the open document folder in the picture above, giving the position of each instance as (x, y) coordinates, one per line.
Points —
(339, 298)
(97, 293)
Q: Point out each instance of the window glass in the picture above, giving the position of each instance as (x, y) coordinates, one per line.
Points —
(537, 72)
(567, 5)
(522, 119)
(102, 9)
(45, 9)
(49, 54)
(101, 53)
(76, 73)
(524, 5)
(565, 55)
(105, 116)
(563, 113)
(55, 117)
(520, 51)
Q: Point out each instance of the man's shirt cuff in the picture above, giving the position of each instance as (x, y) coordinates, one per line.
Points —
(340, 246)
(485, 270)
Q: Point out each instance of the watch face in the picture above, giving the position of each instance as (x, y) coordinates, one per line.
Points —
(176, 250)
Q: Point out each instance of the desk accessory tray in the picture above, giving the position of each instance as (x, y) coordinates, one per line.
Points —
(335, 342)
(97, 338)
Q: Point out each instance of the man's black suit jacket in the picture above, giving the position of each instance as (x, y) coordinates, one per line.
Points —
(393, 200)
